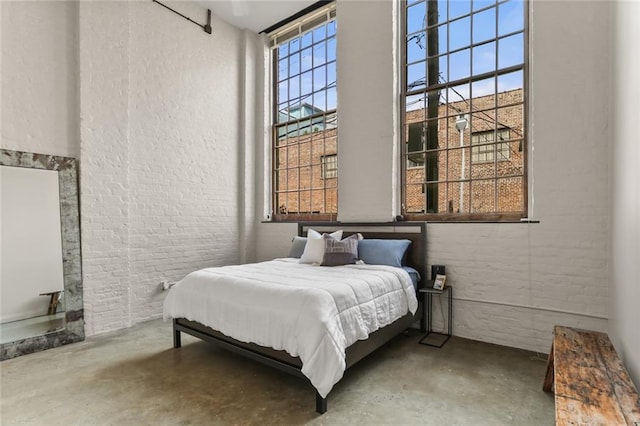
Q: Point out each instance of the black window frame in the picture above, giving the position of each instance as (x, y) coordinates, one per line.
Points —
(297, 182)
(520, 141)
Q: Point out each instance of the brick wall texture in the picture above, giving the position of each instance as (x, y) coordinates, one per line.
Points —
(301, 184)
(486, 186)
(159, 156)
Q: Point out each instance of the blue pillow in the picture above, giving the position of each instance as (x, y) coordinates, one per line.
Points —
(414, 275)
(383, 252)
(297, 247)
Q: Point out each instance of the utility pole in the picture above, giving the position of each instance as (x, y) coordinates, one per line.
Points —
(433, 108)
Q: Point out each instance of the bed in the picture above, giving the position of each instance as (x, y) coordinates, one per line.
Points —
(291, 341)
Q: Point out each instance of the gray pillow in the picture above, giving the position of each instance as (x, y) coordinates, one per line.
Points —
(383, 252)
(343, 252)
(297, 247)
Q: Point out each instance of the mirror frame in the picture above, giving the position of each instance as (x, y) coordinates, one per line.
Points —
(73, 330)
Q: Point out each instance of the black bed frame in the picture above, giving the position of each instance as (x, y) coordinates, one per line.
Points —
(281, 360)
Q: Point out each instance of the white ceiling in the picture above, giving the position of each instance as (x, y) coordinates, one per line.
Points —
(255, 15)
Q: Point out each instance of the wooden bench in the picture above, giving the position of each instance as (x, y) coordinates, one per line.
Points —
(591, 384)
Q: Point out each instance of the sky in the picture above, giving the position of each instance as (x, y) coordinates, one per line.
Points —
(472, 23)
(307, 67)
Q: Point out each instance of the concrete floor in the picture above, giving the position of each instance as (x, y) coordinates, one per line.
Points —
(135, 377)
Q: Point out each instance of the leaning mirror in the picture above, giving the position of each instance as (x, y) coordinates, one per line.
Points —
(40, 279)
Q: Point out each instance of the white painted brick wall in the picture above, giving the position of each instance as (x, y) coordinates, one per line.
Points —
(164, 136)
(252, 94)
(104, 164)
(361, 100)
(184, 111)
(39, 77)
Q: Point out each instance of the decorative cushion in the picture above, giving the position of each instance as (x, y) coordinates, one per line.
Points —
(383, 252)
(343, 252)
(314, 249)
(297, 247)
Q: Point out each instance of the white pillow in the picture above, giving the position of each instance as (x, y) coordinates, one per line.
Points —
(314, 250)
(313, 234)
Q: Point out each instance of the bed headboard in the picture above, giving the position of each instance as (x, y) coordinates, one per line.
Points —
(414, 231)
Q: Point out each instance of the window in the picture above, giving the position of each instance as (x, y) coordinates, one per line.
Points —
(464, 109)
(329, 166)
(484, 148)
(304, 140)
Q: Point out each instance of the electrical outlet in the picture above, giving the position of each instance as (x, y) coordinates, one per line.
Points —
(164, 285)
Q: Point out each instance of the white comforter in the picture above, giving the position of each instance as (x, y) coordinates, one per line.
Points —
(313, 312)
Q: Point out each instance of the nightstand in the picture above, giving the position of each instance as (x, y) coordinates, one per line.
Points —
(427, 294)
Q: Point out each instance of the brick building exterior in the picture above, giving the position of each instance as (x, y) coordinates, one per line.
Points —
(307, 181)
(486, 173)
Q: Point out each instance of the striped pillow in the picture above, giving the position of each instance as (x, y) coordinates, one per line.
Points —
(343, 252)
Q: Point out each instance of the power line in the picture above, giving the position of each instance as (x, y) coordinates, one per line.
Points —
(299, 99)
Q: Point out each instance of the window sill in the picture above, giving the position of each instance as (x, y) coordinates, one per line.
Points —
(467, 218)
(432, 221)
(295, 218)
(412, 220)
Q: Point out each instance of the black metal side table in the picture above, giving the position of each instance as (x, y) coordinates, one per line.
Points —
(428, 293)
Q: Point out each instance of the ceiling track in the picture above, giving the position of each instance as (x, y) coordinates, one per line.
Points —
(206, 27)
